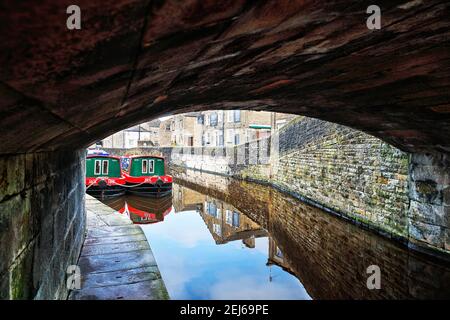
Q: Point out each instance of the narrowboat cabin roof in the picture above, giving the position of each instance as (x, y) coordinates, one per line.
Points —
(97, 152)
(136, 157)
(101, 156)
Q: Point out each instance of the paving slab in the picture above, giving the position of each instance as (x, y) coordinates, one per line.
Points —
(116, 261)
(110, 248)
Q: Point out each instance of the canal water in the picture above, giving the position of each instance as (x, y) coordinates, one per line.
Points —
(238, 240)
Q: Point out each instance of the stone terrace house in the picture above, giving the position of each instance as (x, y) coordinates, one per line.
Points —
(145, 134)
(150, 133)
(182, 128)
(231, 127)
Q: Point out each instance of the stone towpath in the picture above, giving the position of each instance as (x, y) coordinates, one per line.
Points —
(116, 261)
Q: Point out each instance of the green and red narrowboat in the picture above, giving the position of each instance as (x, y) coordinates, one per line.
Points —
(104, 176)
(145, 176)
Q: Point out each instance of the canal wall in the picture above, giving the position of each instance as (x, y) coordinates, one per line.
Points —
(341, 170)
(42, 222)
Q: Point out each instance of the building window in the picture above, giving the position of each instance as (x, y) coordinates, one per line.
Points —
(105, 167)
(217, 229)
(211, 209)
(219, 139)
(236, 219)
(237, 115)
(236, 139)
(278, 253)
(97, 167)
(144, 166)
(201, 119)
(230, 136)
(230, 115)
(229, 217)
(213, 119)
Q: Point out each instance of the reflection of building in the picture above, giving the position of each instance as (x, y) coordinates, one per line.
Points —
(227, 224)
(276, 257)
(185, 199)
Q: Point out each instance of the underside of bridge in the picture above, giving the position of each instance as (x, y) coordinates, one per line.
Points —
(134, 60)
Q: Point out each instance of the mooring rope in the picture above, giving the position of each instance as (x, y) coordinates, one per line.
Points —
(133, 186)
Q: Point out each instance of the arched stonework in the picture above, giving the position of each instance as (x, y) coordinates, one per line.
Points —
(134, 60)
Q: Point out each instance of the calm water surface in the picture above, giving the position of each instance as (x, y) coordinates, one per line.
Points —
(246, 241)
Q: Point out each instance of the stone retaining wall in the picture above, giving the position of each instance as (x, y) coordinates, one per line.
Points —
(42, 222)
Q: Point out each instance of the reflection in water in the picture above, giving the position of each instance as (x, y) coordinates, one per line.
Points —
(240, 240)
(141, 210)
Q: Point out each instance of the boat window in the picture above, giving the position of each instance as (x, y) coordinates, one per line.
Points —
(97, 167)
(144, 166)
(105, 166)
(151, 166)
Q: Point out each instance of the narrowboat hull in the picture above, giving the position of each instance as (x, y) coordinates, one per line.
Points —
(149, 186)
(105, 187)
(150, 190)
(113, 191)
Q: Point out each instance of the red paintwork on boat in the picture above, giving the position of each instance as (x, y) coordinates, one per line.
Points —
(146, 179)
(109, 181)
(144, 214)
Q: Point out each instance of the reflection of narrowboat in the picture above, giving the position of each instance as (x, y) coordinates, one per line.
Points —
(145, 176)
(142, 210)
(104, 176)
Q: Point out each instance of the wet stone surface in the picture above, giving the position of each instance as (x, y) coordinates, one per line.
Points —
(116, 261)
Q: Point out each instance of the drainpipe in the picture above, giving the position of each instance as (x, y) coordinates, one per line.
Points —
(223, 128)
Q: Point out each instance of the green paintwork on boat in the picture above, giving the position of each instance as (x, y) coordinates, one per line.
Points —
(111, 169)
(157, 164)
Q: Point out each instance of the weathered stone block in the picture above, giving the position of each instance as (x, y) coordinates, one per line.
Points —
(12, 176)
(428, 213)
(16, 229)
(447, 239)
(427, 233)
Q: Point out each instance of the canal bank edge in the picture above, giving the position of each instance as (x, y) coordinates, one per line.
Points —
(116, 260)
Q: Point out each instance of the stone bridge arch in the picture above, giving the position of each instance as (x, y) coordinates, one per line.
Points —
(132, 60)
